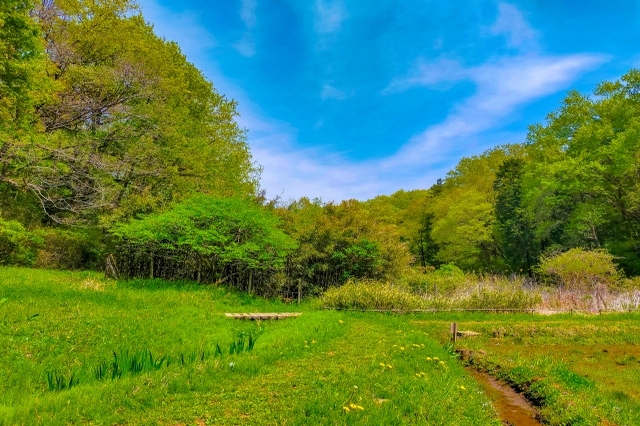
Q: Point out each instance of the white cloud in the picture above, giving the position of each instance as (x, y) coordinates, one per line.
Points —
(330, 92)
(512, 24)
(427, 74)
(248, 12)
(246, 46)
(329, 16)
(503, 86)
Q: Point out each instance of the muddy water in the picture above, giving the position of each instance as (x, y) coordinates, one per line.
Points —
(512, 407)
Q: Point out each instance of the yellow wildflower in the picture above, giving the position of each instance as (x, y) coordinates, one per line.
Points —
(429, 358)
(402, 348)
(389, 365)
(382, 364)
(463, 388)
(341, 322)
(346, 409)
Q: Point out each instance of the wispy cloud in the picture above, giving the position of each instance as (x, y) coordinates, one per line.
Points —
(512, 24)
(503, 86)
(248, 12)
(425, 73)
(329, 16)
(246, 46)
(330, 92)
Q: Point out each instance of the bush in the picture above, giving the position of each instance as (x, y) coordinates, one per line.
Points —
(581, 269)
(64, 249)
(205, 238)
(17, 245)
(369, 294)
(446, 279)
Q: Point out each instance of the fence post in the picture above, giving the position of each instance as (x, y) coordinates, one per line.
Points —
(454, 332)
(299, 292)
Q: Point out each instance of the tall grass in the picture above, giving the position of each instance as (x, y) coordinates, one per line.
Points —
(126, 363)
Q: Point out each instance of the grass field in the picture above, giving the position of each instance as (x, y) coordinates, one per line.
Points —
(325, 367)
(582, 370)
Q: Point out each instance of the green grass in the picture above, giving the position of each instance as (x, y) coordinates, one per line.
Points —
(55, 325)
(581, 370)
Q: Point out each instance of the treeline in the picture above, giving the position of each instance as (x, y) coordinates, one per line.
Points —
(114, 147)
(575, 182)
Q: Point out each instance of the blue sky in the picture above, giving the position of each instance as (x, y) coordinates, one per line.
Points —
(353, 99)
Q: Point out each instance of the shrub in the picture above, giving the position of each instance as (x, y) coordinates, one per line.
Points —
(447, 278)
(205, 238)
(581, 269)
(64, 249)
(17, 245)
(369, 294)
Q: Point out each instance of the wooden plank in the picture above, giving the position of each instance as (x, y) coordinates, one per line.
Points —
(263, 315)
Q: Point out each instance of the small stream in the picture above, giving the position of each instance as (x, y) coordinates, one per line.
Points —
(512, 408)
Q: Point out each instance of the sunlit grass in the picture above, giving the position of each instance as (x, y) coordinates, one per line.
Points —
(321, 368)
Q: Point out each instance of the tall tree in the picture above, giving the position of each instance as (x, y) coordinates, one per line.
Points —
(515, 231)
(582, 185)
(132, 126)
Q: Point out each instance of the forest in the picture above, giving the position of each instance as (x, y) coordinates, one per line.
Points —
(115, 149)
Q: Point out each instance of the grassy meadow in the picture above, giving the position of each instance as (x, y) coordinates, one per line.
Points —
(182, 362)
(325, 367)
(580, 370)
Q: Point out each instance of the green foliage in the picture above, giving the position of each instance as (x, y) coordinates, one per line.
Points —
(205, 237)
(581, 269)
(463, 211)
(80, 248)
(337, 242)
(17, 245)
(514, 228)
(22, 70)
(582, 183)
(408, 211)
(130, 126)
(366, 294)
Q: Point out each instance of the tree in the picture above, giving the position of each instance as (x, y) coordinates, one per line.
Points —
(514, 228)
(464, 215)
(582, 185)
(132, 126)
(205, 238)
(340, 241)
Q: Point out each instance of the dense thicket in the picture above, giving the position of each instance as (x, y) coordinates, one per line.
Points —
(206, 239)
